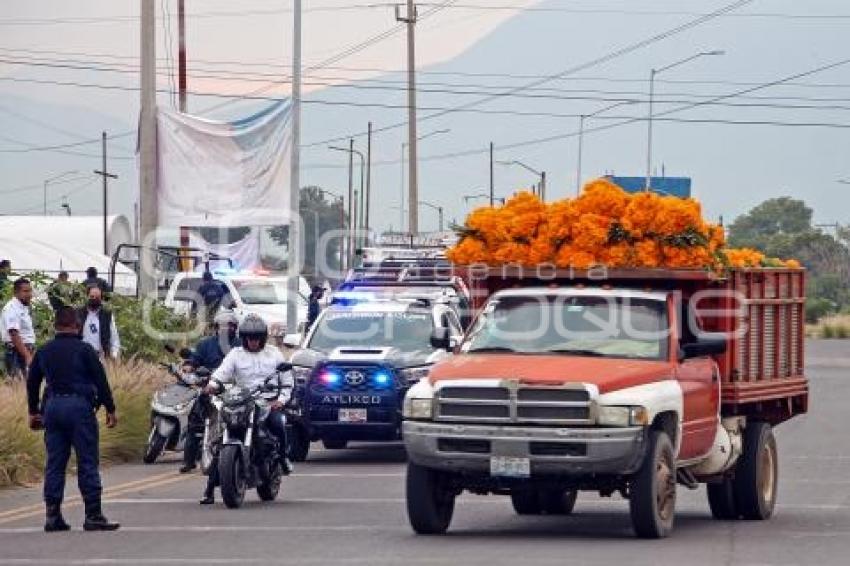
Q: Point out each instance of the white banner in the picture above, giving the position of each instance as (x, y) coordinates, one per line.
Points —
(223, 173)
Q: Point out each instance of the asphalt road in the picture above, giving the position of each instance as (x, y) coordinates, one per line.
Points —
(347, 507)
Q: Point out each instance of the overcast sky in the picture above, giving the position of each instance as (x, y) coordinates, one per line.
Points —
(463, 52)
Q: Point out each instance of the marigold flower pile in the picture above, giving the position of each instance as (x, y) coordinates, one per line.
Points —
(603, 226)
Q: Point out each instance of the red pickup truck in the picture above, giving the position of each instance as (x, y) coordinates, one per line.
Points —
(630, 382)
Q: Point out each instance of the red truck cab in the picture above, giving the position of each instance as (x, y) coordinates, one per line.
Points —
(632, 383)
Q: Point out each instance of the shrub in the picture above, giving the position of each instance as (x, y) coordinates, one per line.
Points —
(827, 332)
(22, 451)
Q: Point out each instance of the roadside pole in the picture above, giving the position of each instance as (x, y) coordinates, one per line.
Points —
(410, 19)
(295, 236)
(182, 87)
(147, 151)
(104, 172)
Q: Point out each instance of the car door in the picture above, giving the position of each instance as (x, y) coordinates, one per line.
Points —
(699, 379)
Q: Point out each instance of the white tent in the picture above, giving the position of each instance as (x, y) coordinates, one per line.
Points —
(30, 254)
(81, 233)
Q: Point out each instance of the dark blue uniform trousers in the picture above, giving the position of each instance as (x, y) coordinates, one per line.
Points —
(70, 422)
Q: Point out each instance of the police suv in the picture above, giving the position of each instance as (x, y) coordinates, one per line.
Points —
(358, 360)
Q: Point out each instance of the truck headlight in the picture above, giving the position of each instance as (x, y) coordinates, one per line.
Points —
(412, 375)
(622, 416)
(418, 408)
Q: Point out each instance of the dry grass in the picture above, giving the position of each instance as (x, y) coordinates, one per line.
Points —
(22, 450)
(830, 327)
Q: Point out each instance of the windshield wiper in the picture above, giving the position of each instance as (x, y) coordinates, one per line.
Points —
(492, 349)
(576, 352)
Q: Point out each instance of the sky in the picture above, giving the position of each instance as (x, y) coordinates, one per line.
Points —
(789, 139)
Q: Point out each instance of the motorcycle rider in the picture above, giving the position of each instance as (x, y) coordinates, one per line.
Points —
(209, 354)
(249, 366)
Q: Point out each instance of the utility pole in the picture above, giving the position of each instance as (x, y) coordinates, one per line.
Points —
(368, 177)
(492, 180)
(295, 235)
(183, 107)
(351, 204)
(413, 178)
(106, 176)
(147, 150)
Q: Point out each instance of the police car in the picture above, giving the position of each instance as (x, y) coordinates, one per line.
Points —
(358, 360)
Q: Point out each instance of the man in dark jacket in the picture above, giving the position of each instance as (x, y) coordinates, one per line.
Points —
(97, 326)
(314, 308)
(92, 280)
(209, 354)
(76, 386)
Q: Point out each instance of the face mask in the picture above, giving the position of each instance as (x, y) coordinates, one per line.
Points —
(94, 303)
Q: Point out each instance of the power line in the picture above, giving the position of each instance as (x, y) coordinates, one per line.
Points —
(570, 71)
(60, 146)
(73, 191)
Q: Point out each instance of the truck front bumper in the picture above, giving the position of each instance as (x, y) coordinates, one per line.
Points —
(575, 451)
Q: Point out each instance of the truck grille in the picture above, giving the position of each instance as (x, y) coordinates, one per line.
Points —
(514, 403)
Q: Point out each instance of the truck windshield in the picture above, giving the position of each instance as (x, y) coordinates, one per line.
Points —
(409, 332)
(617, 327)
(260, 292)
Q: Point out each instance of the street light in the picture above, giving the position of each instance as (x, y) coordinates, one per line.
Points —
(582, 118)
(467, 198)
(439, 210)
(652, 75)
(403, 157)
(50, 180)
(541, 174)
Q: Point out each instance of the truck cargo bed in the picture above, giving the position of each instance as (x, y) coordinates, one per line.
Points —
(762, 371)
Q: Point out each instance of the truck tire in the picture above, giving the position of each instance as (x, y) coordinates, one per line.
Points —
(232, 475)
(721, 500)
(333, 444)
(532, 501)
(757, 473)
(652, 490)
(430, 505)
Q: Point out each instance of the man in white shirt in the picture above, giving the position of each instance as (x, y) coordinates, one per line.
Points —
(98, 325)
(17, 331)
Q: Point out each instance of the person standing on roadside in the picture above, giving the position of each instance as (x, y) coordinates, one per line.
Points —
(76, 386)
(93, 280)
(314, 306)
(5, 272)
(17, 331)
(98, 326)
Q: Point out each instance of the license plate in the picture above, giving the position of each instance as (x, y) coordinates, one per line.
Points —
(353, 415)
(501, 466)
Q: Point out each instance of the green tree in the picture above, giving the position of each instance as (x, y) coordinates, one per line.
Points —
(319, 215)
(771, 219)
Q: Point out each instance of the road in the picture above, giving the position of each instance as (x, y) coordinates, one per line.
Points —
(347, 507)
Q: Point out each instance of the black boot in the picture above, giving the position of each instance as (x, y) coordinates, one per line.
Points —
(95, 521)
(55, 522)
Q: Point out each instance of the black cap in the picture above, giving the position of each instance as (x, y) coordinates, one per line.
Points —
(91, 271)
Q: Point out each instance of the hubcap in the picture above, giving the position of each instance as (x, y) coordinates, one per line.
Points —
(767, 473)
(665, 480)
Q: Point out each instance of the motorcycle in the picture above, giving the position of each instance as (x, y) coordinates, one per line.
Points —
(249, 455)
(170, 410)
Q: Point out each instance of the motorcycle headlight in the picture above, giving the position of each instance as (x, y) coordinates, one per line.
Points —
(411, 376)
(301, 374)
(234, 415)
(622, 416)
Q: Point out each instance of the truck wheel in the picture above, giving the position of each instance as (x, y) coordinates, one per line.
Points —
(721, 500)
(430, 505)
(652, 490)
(333, 444)
(231, 473)
(299, 444)
(757, 473)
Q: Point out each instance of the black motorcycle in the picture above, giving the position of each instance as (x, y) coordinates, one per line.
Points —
(249, 456)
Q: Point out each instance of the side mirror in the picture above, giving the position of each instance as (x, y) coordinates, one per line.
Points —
(702, 347)
(440, 339)
(185, 353)
(292, 341)
(284, 366)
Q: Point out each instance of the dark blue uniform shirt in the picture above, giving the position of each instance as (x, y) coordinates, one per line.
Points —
(208, 352)
(70, 367)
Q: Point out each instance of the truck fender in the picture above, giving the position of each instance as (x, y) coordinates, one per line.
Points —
(658, 397)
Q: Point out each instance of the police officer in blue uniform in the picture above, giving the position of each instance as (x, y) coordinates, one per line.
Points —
(76, 386)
